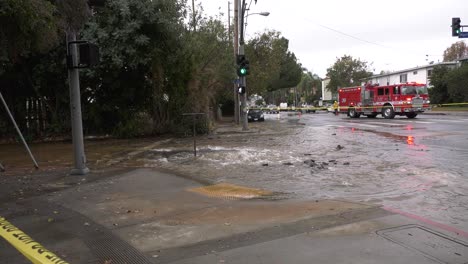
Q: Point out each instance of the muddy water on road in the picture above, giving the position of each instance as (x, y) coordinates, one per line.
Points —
(397, 170)
(404, 167)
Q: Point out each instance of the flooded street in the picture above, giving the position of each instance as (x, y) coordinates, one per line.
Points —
(417, 166)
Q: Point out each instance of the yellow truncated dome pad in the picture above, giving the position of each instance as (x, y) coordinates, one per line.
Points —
(230, 191)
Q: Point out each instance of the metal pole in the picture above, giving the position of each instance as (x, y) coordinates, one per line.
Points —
(194, 137)
(75, 107)
(229, 21)
(236, 50)
(243, 78)
(193, 15)
(19, 133)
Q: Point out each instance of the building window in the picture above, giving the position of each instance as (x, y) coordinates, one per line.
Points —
(429, 73)
(415, 72)
(403, 78)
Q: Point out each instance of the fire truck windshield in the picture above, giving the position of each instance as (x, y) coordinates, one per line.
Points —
(405, 90)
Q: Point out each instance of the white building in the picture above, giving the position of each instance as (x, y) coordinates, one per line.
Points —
(326, 94)
(420, 74)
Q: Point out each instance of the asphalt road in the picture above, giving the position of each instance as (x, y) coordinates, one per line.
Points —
(416, 165)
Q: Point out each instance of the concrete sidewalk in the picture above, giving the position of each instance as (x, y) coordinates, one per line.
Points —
(149, 216)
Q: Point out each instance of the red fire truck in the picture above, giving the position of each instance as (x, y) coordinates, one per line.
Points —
(407, 99)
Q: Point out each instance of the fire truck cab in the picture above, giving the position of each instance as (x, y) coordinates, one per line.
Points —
(407, 99)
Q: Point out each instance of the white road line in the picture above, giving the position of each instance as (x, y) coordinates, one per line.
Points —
(364, 125)
(384, 123)
(453, 121)
(422, 122)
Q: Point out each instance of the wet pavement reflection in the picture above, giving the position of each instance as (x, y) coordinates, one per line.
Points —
(417, 166)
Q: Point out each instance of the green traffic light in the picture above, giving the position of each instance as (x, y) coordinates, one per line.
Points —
(243, 71)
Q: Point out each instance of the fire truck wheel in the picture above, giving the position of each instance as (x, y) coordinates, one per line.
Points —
(411, 115)
(352, 113)
(388, 112)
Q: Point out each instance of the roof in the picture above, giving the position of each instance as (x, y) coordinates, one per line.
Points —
(412, 69)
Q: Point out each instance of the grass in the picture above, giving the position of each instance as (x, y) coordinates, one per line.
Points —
(450, 108)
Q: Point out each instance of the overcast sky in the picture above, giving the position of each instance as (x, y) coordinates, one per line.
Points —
(393, 35)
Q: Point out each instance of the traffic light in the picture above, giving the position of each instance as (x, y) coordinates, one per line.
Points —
(88, 55)
(241, 90)
(456, 27)
(243, 67)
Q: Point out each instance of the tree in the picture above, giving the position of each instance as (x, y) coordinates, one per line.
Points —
(27, 27)
(456, 51)
(263, 53)
(449, 85)
(457, 84)
(310, 87)
(347, 71)
(439, 93)
(273, 66)
(32, 58)
(143, 69)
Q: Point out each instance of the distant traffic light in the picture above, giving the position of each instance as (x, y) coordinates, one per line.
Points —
(243, 67)
(241, 90)
(456, 27)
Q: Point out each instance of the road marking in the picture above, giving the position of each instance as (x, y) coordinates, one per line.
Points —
(422, 122)
(385, 124)
(334, 126)
(452, 121)
(365, 125)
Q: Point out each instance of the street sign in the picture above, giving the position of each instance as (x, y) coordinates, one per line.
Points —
(463, 35)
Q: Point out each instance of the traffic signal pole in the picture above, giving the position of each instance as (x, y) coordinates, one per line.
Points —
(236, 50)
(242, 79)
(75, 108)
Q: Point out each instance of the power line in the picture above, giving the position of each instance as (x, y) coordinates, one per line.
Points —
(351, 36)
(370, 42)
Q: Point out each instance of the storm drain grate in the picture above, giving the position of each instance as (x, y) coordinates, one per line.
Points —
(230, 191)
(430, 243)
(105, 246)
(109, 249)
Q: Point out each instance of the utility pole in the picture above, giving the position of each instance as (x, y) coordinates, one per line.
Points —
(242, 78)
(193, 15)
(75, 107)
(229, 21)
(236, 50)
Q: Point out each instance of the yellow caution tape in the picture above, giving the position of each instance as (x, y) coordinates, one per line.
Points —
(31, 249)
(345, 107)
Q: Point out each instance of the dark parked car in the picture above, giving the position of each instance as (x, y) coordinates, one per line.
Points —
(255, 115)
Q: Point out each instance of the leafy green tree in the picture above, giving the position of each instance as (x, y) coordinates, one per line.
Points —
(439, 92)
(32, 55)
(141, 70)
(457, 84)
(27, 27)
(290, 72)
(273, 66)
(456, 51)
(310, 87)
(264, 56)
(449, 85)
(347, 71)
